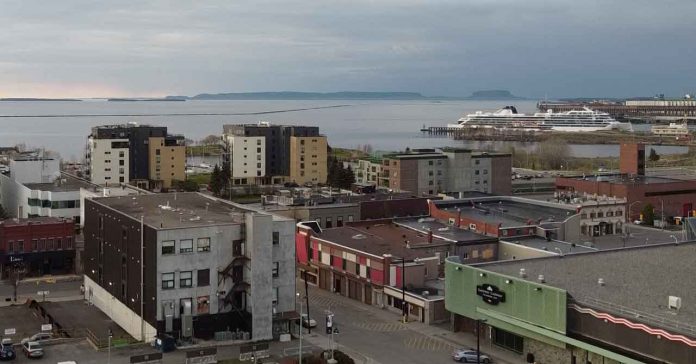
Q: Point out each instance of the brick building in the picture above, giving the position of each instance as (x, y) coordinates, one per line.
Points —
(669, 196)
(39, 245)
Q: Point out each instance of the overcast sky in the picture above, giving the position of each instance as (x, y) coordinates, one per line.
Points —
(533, 48)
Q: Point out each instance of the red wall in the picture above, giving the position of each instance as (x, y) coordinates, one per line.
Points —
(301, 247)
(482, 227)
(27, 232)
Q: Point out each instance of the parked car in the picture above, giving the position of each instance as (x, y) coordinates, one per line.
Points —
(7, 350)
(469, 356)
(308, 321)
(38, 337)
(32, 349)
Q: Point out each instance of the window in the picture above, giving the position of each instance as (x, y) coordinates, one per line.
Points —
(477, 162)
(367, 272)
(68, 243)
(583, 215)
(276, 238)
(274, 300)
(485, 171)
(121, 162)
(186, 246)
(9, 247)
(203, 278)
(619, 213)
(344, 265)
(508, 340)
(339, 221)
(185, 279)
(49, 244)
(168, 247)
(357, 269)
(42, 244)
(107, 161)
(185, 306)
(430, 173)
(430, 163)
(276, 265)
(203, 306)
(20, 246)
(600, 214)
(476, 172)
(167, 280)
(203, 244)
(157, 152)
(329, 222)
(350, 218)
(120, 155)
(34, 245)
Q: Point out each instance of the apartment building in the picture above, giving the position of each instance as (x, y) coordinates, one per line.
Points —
(308, 160)
(203, 266)
(277, 145)
(367, 172)
(167, 156)
(247, 159)
(449, 170)
(128, 153)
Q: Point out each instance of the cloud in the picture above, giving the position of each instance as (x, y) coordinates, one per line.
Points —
(532, 47)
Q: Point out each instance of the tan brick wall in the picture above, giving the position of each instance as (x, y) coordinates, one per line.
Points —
(169, 165)
(308, 158)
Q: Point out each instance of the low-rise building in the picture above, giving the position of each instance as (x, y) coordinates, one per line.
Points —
(37, 246)
(387, 262)
(627, 305)
(599, 215)
(450, 170)
(190, 265)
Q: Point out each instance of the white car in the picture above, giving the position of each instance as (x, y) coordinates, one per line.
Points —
(38, 337)
(469, 356)
(308, 322)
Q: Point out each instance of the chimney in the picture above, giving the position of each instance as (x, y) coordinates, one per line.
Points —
(459, 217)
(430, 236)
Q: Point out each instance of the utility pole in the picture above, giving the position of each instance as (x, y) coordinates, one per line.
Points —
(306, 287)
(108, 360)
(142, 273)
(301, 323)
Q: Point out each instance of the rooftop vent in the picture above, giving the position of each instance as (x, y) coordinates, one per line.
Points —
(523, 273)
(541, 278)
(359, 236)
(674, 303)
(601, 281)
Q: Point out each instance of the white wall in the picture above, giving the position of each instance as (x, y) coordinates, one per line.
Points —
(34, 171)
(117, 311)
(102, 172)
(244, 150)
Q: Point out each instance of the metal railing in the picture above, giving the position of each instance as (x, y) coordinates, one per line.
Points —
(640, 316)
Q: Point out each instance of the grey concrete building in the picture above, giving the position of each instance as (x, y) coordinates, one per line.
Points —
(208, 266)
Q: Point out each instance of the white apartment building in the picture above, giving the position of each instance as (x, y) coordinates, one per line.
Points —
(108, 160)
(247, 159)
(367, 172)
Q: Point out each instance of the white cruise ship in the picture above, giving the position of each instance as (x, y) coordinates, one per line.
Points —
(571, 121)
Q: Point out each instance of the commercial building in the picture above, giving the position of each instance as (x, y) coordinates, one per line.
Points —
(599, 215)
(373, 261)
(143, 155)
(669, 197)
(308, 160)
(278, 154)
(190, 265)
(510, 217)
(630, 305)
(450, 170)
(37, 246)
(35, 187)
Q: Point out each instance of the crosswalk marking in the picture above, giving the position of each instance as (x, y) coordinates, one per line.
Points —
(422, 342)
(381, 326)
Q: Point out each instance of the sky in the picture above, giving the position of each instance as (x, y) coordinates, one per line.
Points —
(534, 48)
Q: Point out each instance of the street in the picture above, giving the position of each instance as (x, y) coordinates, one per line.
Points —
(29, 288)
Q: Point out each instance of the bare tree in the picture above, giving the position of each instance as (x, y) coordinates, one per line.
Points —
(553, 152)
(17, 272)
(210, 139)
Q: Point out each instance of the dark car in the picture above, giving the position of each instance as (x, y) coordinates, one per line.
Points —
(7, 350)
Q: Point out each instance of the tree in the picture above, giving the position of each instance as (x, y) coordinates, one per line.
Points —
(210, 139)
(553, 152)
(648, 213)
(3, 213)
(188, 185)
(653, 157)
(226, 173)
(215, 181)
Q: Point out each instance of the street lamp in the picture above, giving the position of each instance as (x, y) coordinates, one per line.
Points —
(111, 334)
(478, 339)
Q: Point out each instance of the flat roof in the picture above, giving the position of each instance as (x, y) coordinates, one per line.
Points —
(638, 279)
(34, 221)
(624, 179)
(507, 212)
(552, 246)
(416, 156)
(442, 230)
(68, 184)
(379, 238)
(176, 210)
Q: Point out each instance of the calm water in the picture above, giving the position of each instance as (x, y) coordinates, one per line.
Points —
(385, 125)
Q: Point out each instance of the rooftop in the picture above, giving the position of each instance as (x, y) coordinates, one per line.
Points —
(508, 211)
(415, 156)
(35, 221)
(624, 179)
(552, 246)
(441, 230)
(176, 210)
(638, 281)
(379, 238)
(67, 183)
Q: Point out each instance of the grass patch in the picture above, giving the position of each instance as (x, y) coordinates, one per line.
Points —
(204, 150)
(200, 178)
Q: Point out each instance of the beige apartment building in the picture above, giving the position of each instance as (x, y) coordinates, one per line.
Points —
(308, 159)
(167, 161)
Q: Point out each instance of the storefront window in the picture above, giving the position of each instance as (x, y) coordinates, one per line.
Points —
(508, 340)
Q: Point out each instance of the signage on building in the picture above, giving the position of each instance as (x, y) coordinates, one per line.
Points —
(46, 327)
(11, 331)
(15, 259)
(490, 294)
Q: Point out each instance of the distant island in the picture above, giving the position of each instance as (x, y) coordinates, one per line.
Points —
(493, 95)
(34, 99)
(344, 95)
(168, 98)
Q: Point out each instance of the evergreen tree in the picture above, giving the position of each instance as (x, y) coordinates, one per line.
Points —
(648, 213)
(347, 178)
(653, 157)
(215, 181)
(3, 213)
(226, 174)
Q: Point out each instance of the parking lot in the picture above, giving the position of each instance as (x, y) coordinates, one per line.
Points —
(20, 318)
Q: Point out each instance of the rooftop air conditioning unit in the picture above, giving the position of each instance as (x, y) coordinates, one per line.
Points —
(541, 278)
(674, 302)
